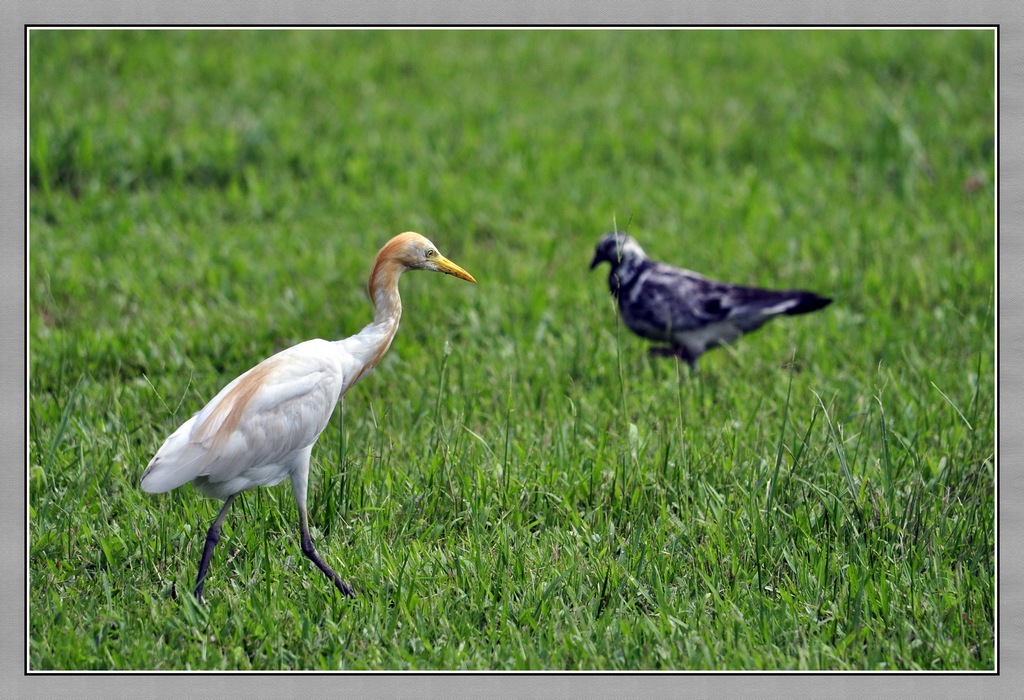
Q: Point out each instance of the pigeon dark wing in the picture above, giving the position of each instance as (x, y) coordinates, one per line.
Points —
(750, 308)
(663, 299)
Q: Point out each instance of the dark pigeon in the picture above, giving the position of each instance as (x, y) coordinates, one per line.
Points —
(684, 309)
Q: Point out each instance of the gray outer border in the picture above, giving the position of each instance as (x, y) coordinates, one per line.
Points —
(473, 685)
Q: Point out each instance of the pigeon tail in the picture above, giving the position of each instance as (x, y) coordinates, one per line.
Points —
(808, 302)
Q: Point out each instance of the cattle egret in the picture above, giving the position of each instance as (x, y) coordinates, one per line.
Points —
(261, 427)
(684, 309)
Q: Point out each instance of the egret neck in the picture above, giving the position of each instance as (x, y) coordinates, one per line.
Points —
(370, 344)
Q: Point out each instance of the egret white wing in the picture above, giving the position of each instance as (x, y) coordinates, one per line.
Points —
(257, 421)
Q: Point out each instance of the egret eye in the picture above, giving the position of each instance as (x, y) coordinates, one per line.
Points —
(431, 252)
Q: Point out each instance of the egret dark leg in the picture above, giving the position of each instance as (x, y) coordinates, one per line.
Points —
(310, 551)
(212, 538)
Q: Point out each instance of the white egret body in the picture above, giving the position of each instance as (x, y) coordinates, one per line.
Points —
(261, 427)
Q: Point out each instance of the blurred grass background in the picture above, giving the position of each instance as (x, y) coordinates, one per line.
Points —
(518, 485)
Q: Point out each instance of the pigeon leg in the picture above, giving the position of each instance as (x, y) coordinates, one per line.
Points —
(683, 354)
(678, 351)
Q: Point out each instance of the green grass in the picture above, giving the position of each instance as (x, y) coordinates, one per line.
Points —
(517, 485)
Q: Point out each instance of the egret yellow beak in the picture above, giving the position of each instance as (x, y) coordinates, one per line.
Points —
(449, 268)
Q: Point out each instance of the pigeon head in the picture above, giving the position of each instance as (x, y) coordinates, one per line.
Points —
(617, 249)
(624, 255)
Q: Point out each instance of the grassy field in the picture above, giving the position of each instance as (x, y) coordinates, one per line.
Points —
(518, 485)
